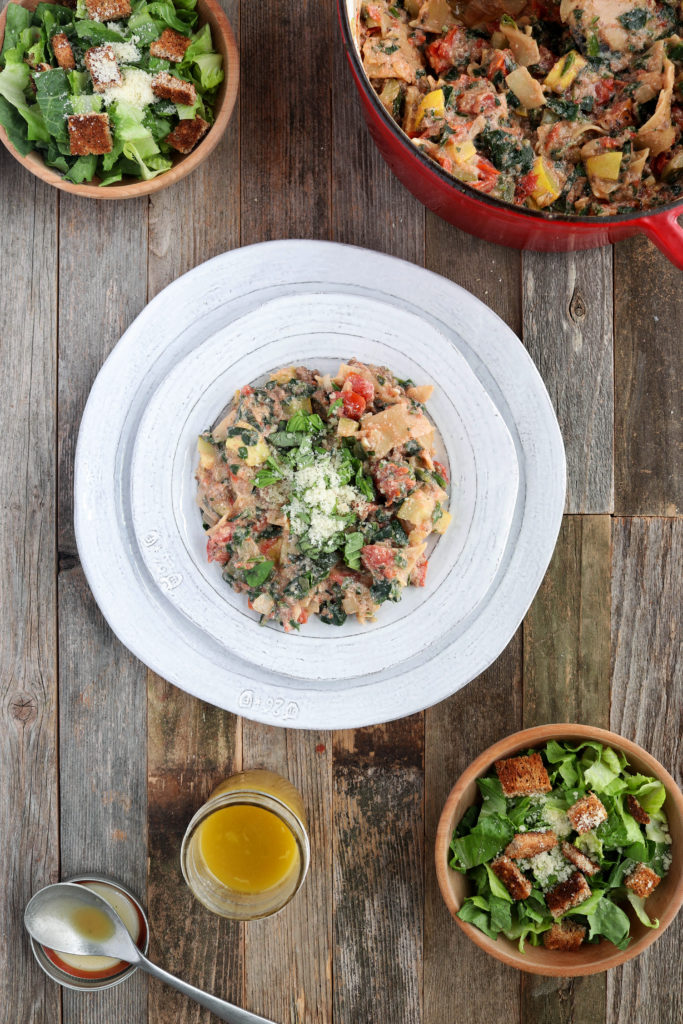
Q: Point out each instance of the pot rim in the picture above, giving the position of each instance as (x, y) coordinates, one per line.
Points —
(459, 187)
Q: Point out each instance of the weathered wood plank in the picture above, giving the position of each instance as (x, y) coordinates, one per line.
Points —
(192, 746)
(378, 872)
(566, 630)
(103, 810)
(647, 706)
(648, 416)
(29, 825)
(370, 207)
(199, 217)
(454, 735)
(568, 331)
(287, 957)
(284, 123)
(566, 679)
(490, 272)
(285, 146)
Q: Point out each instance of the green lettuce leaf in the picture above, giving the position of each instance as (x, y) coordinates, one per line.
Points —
(488, 837)
(82, 170)
(52, 94)
(638, 904)
(18, 20)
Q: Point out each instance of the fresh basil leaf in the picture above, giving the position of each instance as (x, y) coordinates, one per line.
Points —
(352, 549)
(257, 576)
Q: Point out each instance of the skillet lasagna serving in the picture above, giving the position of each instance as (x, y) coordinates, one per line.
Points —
(318, 493)
(570, 107)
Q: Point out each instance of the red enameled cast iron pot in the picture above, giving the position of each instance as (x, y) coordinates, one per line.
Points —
(490, 218)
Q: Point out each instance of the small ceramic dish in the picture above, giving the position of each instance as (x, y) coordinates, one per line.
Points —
(48, 960)
(664, 903)
(129, 188)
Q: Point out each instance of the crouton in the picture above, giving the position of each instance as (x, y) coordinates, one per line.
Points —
(636, 811)
(108, 10)
(523, 776)
(512, 878)
(564, 935)
(104, 71)
(579, 859)
(168, 87)
(170, 45)
(528, 844)
(187, 134)
(587, 813)
(642, 880)
(89, 134)
(64, 55)
(566, 895)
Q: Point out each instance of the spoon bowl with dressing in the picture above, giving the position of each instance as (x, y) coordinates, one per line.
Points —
(74, 920)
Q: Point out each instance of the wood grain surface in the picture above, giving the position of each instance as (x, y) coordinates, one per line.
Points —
(104, 763)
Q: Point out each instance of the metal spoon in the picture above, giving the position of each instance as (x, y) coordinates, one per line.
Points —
(48, 918)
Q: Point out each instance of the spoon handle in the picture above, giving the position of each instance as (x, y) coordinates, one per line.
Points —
(219, 1007)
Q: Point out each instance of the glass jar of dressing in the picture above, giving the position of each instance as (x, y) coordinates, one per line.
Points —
(246, 851)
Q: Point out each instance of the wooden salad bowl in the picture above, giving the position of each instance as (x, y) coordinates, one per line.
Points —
(130, 188)
(664, 903)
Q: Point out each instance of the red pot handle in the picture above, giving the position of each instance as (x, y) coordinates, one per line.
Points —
(667, 234)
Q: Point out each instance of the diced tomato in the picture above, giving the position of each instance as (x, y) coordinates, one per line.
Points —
(247, 390)
(502, 62)
(658, 163)
(303, 618)
(441, 470)
(487, 175)
(419, 573)
(354, 405)
(525, 186)
(619, 116)
(341, 573)
(379, 559)
(476, 101)
(361, 386)
(442, 53)
(393, 481)
(215, 544)
(265, 546)
(604, 89)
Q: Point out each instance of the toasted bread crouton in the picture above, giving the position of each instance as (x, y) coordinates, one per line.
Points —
(523, 776)
(528, 844)
(579, 859)
(64, 55)
(642, 880)
(512, 878)
(168, 87)
(587, 813)
(187, 134)
(89, 134)
(566, 895)
(170, 45)
(564, 935)
(108, 10)
(104, 71)
(636, 811)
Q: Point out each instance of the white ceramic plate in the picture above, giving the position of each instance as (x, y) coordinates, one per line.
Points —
(231, 321)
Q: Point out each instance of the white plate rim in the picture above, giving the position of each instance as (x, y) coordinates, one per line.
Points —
(499, 360)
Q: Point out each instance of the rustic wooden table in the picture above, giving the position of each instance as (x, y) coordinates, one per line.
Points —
(103, 763)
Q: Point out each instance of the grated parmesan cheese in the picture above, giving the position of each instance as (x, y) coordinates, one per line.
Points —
(548, 868)
(126, 52)
(135, 89)
(319, 499)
